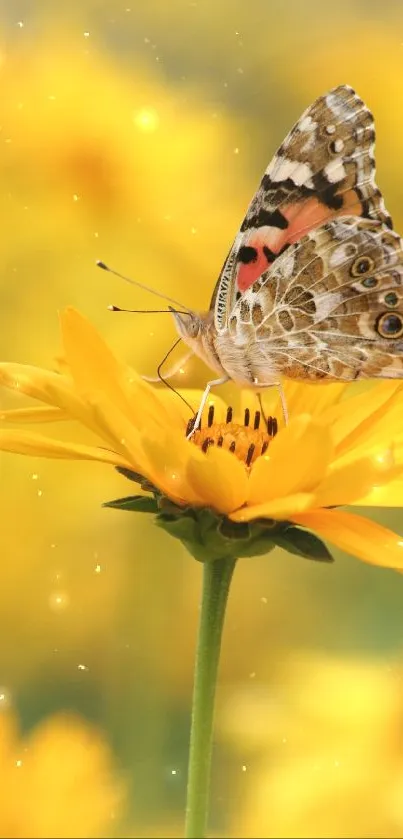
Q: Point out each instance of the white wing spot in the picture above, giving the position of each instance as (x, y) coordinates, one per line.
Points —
(338, 145)
(299, 173)
(307, 124)
(340, 255)
(335, 171)
(281, 168)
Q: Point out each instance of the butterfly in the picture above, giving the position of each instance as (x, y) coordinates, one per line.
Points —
(312, 287)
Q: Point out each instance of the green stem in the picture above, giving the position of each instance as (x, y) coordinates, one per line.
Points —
(217, 576)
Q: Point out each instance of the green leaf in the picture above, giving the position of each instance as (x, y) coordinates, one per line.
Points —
(134, 503)
(303, 543)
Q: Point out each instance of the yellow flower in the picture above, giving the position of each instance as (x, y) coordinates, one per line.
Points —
(335, 451)
(56, 782)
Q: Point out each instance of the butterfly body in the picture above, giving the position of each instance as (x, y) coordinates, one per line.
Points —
(312, 287)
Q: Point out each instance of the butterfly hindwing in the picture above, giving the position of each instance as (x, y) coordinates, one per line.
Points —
(324, 168)
(331, 306)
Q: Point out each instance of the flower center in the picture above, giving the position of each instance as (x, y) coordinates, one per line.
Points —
(247, 441)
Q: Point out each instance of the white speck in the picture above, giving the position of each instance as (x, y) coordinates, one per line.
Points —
(96, 235)
(400, 544)
(263, 599)
(5, 699)
(243, 768)
(173, 476)
(20, 24)
(86, 34)
(98, 569)
(82, 667)
(330, 129)
(18, 763)
(181, 371)
(35, 476)
(39, 493)
(236, 150)
(173, 772)
(59, 601)
(146, 120)
(76, 197)
(53, 545)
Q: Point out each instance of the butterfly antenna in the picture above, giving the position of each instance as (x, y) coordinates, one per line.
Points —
(165, 382)
(147, 311)
(105, 267)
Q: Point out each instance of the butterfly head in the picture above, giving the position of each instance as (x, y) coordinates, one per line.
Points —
(188, 324)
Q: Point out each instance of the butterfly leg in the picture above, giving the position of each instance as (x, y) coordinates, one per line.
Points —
(213, 383)
(279, 386)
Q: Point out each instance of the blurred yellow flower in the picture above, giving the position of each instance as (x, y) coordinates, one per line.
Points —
(57, 781)
(322, 759)
(333, 452)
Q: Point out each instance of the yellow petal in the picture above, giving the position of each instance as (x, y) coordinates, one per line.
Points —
(34, 415)
(96, 370)
(219, 478)
(358, 536)
(52, 388)
(167, 460)
(312, 399)
(296, 461)
(37, 445)
(352, 417)
(115, 426)
(390, 495)
(355, 479)
(281, 509)
(91, 363)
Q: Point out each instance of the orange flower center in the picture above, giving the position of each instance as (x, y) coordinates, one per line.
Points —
(247, 441)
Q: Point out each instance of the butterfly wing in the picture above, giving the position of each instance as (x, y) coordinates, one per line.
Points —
(330, 307)
(325, 167)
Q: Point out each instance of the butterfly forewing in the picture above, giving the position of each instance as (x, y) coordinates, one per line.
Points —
(324, 168)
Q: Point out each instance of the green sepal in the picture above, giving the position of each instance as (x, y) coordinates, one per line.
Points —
(209, 536)
(301, 542)
(134, 503)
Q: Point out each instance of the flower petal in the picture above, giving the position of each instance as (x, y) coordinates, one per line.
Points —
(281, 509)
(219, 478)
(96, 370)
(37, 445)
(296, 461)
(312, 399)
(389, 495)
(52, 388)
(356, 535)
(351, 419)
(34, 415)
(167, 460)
(344, 484)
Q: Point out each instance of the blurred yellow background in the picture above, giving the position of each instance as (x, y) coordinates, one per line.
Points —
(137, 133)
